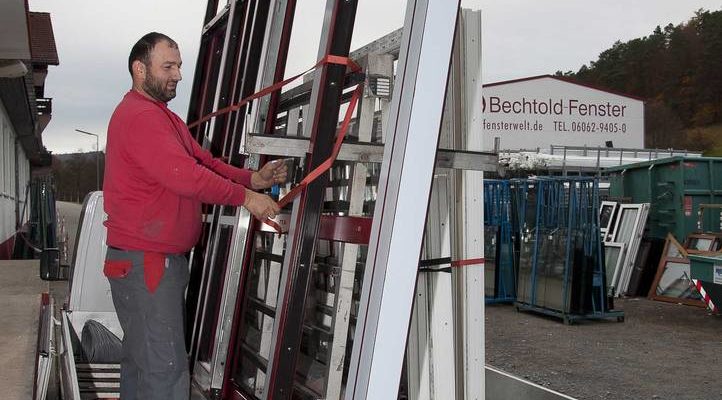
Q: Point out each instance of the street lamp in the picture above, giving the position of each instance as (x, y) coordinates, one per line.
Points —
(97, 157)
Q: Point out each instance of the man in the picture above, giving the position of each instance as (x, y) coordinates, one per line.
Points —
(156, 177)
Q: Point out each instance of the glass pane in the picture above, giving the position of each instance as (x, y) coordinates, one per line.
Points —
(703, 244)
(605, 216)
(611, 254)
(626, 225)
(673, 250)
(556, 258)
(675, 281)
(525, 265)
(490, 241)
(213, 300)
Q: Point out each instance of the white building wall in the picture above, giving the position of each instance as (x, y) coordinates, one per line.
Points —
(9, 150)
(545, 111)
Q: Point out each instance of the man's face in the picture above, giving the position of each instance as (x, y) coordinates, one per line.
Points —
(163, 73)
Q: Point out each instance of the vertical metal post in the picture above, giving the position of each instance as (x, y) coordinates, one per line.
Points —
(469, 237)
(300, 253)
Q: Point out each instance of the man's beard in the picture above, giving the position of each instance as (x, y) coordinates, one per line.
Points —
(157, 89)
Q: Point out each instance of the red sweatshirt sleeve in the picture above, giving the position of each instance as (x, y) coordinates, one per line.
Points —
(155, 146)
(238, 175)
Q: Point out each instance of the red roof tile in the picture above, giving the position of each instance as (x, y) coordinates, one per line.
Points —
(42, 40)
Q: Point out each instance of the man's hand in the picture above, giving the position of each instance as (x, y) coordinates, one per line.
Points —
(260, 205)
(272, 173)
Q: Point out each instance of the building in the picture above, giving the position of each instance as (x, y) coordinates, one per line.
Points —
(27, 48)
(541, 111)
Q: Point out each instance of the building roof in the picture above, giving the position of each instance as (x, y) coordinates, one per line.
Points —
(42, 39)
(567, 80)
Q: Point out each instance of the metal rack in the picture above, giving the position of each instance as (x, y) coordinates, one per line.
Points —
(294, 315)
(500, 274)
(561, 270)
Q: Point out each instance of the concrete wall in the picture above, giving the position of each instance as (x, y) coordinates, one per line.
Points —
(14, 177)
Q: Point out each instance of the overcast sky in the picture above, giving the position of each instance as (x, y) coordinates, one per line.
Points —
(521, 38)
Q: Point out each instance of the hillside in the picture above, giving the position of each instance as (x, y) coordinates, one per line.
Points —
(710, 134)
(677, 70)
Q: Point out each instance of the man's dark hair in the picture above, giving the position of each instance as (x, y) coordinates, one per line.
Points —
(141, 50)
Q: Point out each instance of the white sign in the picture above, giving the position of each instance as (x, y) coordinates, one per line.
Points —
(540, 112)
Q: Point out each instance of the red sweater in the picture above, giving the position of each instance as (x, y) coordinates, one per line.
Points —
(157, 176)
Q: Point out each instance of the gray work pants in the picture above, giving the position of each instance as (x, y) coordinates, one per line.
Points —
(155, 362)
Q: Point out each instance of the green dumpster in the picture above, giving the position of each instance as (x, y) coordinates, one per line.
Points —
(706, 274)
(674, 187)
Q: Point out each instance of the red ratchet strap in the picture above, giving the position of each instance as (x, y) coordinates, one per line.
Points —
(326, 164)
(323, 167)
(329, 59)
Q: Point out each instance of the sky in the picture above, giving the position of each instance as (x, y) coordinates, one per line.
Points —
(520, 38)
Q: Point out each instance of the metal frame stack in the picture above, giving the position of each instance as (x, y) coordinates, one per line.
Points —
(500, 273)
(623, 235)
(296, 315)
(561, 272)
(238, 41)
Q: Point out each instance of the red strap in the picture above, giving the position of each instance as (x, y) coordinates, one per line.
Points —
(329, 59)
(326, 164)
(465, 263)
(153, 268)
(323, 167)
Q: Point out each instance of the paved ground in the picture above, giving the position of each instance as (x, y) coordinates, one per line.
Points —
(20, 289)
(661, 351)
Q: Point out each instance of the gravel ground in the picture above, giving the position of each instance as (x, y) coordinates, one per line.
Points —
(661, 351)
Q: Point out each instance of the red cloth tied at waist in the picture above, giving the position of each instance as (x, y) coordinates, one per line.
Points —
(153, 269)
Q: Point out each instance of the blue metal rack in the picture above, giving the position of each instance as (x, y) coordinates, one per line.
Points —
(561, 263)
(500, 272)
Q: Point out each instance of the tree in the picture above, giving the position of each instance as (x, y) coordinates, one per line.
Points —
(75, 175)
(676, 68)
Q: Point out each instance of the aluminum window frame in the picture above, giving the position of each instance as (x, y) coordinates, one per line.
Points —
(611, 288)
(607, 231)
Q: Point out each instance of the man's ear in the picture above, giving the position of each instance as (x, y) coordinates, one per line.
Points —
(138, 68)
